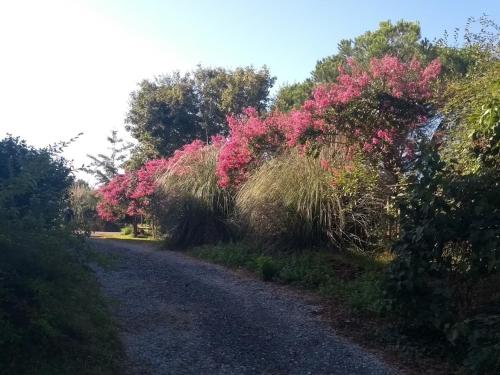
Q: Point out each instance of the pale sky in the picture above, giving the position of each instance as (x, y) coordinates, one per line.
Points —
(65, 69)
(69, 66)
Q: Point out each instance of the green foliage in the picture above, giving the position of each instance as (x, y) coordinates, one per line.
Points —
(127, 231)
(191, 207)
(293, 96)
(268, 269)
(33, 186)
(480, 44)
(105, 167)
(83, 202)
(293, 201)
(162, 115)
(175, 109)
(402, 39)
(445, 275)
(52, 318)
(465, 127)
(222, 92)
(447, 267)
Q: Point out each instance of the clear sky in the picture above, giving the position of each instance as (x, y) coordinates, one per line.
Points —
(68, 66)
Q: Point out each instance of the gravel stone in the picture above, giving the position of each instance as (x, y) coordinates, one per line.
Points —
(180, 315)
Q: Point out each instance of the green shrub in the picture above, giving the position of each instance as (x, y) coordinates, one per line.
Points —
(446, 273)
(127, 231)
(310, 269)
(233, 255)
(83, 203)
(267, 267)
(52, 317)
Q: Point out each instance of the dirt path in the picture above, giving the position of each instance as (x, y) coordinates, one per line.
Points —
(179, 315)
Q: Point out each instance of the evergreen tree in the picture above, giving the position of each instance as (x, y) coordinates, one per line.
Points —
(105, 167)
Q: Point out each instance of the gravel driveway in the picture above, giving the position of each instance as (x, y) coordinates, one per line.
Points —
(179, 315)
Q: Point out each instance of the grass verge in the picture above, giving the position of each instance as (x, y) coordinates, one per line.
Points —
(53, 318)
(126, 237)
(351, 277)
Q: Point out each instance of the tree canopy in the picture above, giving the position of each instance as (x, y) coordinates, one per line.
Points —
(175, 109)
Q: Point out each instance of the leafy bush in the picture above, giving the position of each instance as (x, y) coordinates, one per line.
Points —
(33, 186)
(294, 200)
(127, 230)
(445, 277)
(268, 269)
(52, 318)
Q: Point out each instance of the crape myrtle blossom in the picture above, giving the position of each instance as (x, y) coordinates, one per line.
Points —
(129, 194)
(115, 201)
(374, 108)
(370, 109)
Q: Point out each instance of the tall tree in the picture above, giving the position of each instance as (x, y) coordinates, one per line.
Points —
(402, 39)
(174, 109)
(292, 96)
(104, 167)
(163, 114)
(222, 92)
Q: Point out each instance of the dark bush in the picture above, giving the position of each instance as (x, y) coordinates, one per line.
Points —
(52, 317)
(446, 273)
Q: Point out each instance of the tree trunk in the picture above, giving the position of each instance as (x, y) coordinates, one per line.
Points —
(135, 226)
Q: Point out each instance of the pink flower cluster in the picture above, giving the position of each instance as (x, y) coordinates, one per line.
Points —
(115, 198)
(146, 178)
(253, 139)
(371, 109)
(350, 85)
(406, 79)
(129, 194)
(247, 130)
(326, 116)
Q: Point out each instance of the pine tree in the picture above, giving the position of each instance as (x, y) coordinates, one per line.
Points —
(105, 167)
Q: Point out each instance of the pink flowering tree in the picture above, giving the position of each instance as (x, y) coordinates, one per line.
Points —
(132, 195)
(373, 110)
(129, 196)
(378, 108)
(116, 202)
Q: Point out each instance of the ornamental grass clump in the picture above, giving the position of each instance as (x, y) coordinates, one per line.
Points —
(192, 208)
(299, 200)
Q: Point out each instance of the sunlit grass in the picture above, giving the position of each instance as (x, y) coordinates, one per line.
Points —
(126, 238)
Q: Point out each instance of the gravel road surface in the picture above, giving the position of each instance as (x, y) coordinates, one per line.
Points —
(179, 315)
